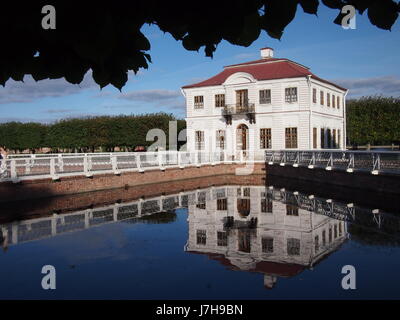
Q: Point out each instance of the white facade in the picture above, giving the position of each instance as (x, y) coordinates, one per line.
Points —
(215, 115)
(285, 241)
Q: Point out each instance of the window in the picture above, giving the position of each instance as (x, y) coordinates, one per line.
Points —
(222, 204)
(293, 247)
(314, 95)
(220, 137)
(201, 237)
(246, 192)
(316, 243)
(201, 205)
(290, 138)
(265, 96)
(334, 139)
(329, 138)
(244, 241)
(328, 99)
(291, 95)
(265, 138)
(340, 229)
(266, 205)
(322, 97)
(243, 207)
(324, 238)
(335, 231)
(339, 139)
(322, 138)
(330, 234)
(315, 146)
(292, 210)
(267, 245)
(199, 139)
(242, 99)
(198, 102)
(219, 100)
(222, 239)
(338, 102)
(333, 101)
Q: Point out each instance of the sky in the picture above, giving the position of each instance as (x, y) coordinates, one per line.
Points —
(365, 60)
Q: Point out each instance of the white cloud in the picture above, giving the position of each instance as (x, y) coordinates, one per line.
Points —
(385, 85)
(30, 90)
(153, 95)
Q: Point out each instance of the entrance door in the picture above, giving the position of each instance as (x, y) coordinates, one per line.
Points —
(242, 137)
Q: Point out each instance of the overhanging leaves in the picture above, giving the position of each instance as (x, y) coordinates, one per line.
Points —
(107, 38)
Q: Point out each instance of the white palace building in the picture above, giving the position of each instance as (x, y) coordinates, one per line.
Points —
(268, 103)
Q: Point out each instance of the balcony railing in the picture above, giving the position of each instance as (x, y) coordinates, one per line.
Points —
(247, 109)
(238, 108)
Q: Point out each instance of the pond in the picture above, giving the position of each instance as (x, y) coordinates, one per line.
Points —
(220, 242)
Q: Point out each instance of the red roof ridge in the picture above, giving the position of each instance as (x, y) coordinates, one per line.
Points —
(278, 69)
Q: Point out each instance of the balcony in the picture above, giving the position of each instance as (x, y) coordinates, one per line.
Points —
(247, 109)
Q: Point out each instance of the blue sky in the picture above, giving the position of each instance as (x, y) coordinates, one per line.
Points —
(365, 60)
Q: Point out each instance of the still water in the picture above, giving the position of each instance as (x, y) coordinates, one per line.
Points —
(226, 242)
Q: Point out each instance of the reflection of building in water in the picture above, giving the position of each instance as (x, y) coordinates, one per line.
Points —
(245, 228)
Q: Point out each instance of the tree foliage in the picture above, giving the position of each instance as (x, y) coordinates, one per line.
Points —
(107, 39)
(373, 120)
(86, 134)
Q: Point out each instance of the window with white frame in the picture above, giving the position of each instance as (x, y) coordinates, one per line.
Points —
(291, 94)
(199, 140)
(265, 96)
(220, 139)
(219, 100)
(314, 95)
(265, 138)
(293, 247)
(198, 102)
(201, 237)
(290, 138)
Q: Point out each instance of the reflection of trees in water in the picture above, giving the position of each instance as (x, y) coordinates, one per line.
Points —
(372, 237)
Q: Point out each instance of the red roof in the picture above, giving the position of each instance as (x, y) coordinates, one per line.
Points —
(266, 267)
(263, 69)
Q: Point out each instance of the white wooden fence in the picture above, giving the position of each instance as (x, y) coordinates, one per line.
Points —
(40, 166)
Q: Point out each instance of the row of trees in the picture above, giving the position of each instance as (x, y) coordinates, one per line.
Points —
(370, 120)
(373, 120)
(103, 133)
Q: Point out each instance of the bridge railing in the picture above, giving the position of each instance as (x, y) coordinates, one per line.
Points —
(29, 167)
(373, 161)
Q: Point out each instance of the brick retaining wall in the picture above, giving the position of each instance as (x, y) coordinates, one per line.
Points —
(34, 189)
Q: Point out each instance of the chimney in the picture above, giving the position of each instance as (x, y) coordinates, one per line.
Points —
(267, 53)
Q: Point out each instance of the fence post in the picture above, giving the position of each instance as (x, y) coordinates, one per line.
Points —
(139, 163)
(86, 169)
(53, 173)
(160, 160)
(60, 163)
(114, 164)
(178, 158)
(13, 170)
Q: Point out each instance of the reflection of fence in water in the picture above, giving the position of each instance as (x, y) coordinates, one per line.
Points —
(369, 218)
(56, 224)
